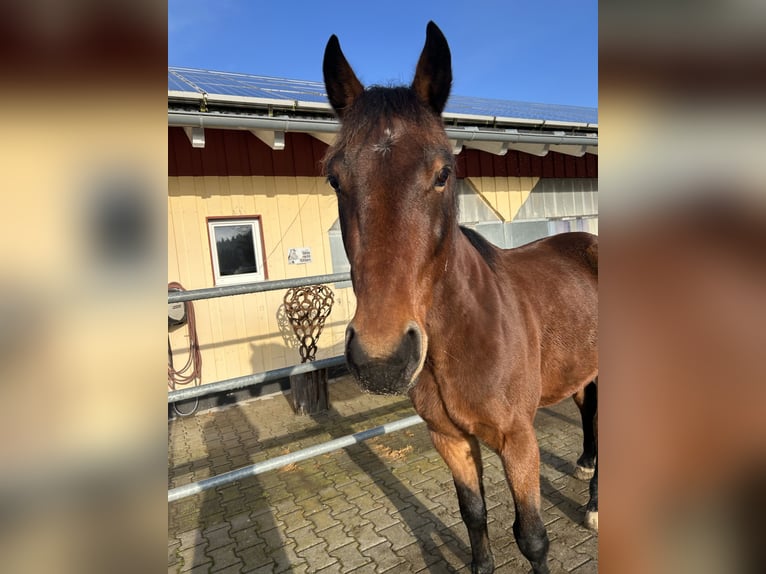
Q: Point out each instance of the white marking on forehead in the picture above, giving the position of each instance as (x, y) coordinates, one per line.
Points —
(386, 142)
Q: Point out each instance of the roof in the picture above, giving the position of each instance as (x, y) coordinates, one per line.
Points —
(270, 106)
(291, 92)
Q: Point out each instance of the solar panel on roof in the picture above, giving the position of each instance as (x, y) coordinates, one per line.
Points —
(176, 83)
(245, 85)
(526, 110)
(230, 84)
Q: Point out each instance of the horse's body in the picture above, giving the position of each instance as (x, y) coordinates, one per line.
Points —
(479, 337)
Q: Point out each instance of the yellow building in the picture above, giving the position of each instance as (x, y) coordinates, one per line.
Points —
(247, 202)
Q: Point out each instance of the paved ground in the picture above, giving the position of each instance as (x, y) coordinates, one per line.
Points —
(387, 505)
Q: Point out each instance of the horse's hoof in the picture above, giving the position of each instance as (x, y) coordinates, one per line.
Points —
(591, 520)
(584, 473)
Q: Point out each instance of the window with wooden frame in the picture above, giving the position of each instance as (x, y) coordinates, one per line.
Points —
(236, 249)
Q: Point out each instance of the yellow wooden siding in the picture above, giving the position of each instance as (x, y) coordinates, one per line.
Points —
(240, 335)
(505, 195)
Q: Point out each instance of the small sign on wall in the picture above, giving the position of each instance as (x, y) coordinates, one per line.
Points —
(299, 255)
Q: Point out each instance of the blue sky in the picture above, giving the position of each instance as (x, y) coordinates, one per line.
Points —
(543, 51)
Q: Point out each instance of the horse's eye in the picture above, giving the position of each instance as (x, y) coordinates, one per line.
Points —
(333, 181)
(442, 177)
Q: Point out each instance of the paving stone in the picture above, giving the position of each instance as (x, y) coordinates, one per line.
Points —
(349, 517)
(313, 505)
(322, 520)
(190, 538)
(398, 535)
(350, 557)
(511, 561)
(365, 535)
(240, 521)
(184, 523)
(217, 538)
(589, 567)
(245, 538)
(360, 509)
(383, 557)
(173, 557)
(223, 557)
(451, 553)
(304, 537)
(184, 507)
(589, 547)
(351, 490)
(568, 557)
(191, 557)
(294, 520)
(340, 504)
(335, 537)
(367, 505)
(255, 558)
(229, 492)
(379, 517)
(501, 534)
(416, 557)
(234, 568)
(285, 559)
(317, 557)
(447, 515)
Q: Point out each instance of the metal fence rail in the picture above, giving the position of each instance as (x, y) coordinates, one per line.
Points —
(254, 379)
(228, 290)
(273, 463)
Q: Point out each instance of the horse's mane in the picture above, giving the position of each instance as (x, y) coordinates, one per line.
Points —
(484, 247)
(377, 101)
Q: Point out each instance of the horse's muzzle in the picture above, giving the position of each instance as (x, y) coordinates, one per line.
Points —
(389, 375)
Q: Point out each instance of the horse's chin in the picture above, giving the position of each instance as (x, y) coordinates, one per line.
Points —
(382, 391)
(384, 384)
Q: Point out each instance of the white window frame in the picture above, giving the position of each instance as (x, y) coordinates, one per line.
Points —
(240, 278)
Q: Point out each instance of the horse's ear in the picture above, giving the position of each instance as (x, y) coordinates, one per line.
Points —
(341, 83)
(433, 76)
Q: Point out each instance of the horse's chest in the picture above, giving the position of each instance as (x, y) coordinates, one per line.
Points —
(476, 406)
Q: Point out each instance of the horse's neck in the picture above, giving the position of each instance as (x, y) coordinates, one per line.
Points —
(470, 304)
(468, 280)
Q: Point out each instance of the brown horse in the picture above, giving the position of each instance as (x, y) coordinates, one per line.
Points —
(478, 336)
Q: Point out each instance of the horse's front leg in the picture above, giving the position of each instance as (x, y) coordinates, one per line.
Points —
(521, 460)
(462, 454)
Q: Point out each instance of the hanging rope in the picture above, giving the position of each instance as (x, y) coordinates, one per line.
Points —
(191, 372)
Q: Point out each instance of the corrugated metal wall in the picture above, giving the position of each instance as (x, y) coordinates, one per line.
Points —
(525, 211)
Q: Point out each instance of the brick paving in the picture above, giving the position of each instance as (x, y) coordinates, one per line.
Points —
(386, 505)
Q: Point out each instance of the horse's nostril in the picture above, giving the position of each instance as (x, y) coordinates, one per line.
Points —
(415, 339)
(350, 333)
(355, 355)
